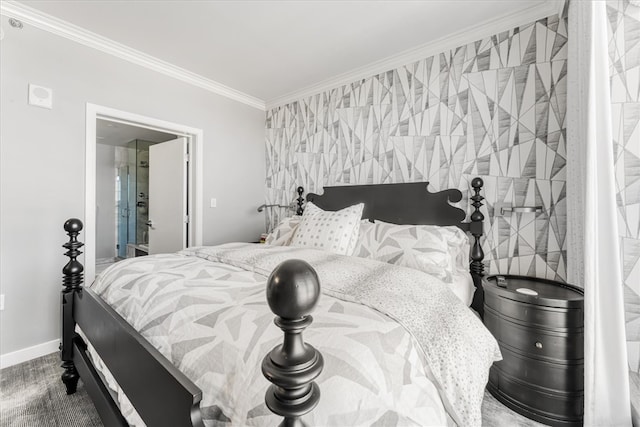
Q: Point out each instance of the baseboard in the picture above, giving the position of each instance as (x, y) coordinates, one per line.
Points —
(29, 353)
(634, 389)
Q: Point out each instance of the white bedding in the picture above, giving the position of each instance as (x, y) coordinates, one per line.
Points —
(462, 286)
(437, 250)
(399, 347)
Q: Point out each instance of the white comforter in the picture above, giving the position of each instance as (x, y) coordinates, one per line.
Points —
(399, 347)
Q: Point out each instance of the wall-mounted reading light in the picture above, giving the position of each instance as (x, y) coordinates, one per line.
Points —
(500, 209)
(263, 206)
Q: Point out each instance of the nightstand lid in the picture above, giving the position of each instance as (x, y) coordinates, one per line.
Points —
(548, 292)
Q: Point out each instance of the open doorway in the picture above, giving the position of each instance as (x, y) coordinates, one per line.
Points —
(129, 158)
(122, 190)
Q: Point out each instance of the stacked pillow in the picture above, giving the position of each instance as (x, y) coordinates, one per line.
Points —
(439, 251)
(336, 232)
(282, 234)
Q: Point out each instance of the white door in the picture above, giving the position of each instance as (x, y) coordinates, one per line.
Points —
(168, 196)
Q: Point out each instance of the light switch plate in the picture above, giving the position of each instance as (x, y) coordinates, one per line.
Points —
(40, 96)
(214, 203)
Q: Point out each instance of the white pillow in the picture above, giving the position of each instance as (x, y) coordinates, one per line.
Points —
(282, 234)
(330, 231)
(366, 243)
(439, 251)
(459, 246)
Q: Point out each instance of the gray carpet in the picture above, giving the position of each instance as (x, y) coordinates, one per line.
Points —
(495, 414)
(32, 394)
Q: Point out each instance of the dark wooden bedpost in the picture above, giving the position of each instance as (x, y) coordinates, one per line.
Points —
(300, 201)
(72, 278)
(293, 290)
(477, 254)
(477, 220)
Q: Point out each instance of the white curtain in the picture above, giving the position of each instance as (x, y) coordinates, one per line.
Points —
(593, 246)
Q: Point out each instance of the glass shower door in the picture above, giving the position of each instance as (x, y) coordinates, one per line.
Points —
(123, 211)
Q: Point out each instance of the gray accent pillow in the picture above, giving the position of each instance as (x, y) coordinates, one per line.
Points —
(282, 234)
(439, 251)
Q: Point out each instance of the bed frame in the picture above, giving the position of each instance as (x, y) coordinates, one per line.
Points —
(292, 292)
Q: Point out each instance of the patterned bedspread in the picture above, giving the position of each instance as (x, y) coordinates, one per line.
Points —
(399, 347)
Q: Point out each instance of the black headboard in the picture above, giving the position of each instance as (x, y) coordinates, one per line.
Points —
(410, 203)
(413, 203)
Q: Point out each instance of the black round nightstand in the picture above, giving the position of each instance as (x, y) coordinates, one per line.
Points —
(539, 326)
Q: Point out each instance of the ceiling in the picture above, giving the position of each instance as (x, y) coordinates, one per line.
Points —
(120, 134)
(271, 49)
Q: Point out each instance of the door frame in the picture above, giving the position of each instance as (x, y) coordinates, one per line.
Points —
(195, 206)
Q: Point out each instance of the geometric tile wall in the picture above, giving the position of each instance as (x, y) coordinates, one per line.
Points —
(493, 108)
(624, 62)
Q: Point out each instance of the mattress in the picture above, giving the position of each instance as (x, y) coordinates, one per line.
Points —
(400, 347)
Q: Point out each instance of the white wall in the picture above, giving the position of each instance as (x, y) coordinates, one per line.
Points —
(42, 163)
(105, 201)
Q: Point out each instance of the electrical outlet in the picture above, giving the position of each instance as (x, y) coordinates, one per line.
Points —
(1, 302)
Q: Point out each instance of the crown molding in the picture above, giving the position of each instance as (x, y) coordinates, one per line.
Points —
(80, 35)
(443, 44)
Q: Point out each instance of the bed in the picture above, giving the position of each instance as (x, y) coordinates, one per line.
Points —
(187, 338)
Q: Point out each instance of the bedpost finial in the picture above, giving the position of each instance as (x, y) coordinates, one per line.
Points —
(477, 182)
(293, 290)
(300, 201)
(73, 225)
(72, 277)
(477, 199)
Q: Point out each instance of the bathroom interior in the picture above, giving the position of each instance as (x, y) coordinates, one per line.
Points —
(132, 199)
(122, 190)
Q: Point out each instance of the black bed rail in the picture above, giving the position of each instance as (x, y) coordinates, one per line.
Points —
(161, 394)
